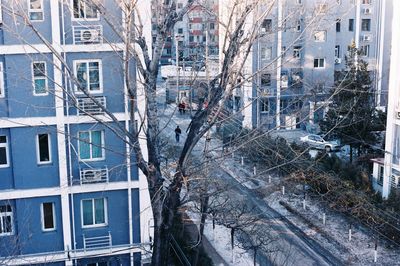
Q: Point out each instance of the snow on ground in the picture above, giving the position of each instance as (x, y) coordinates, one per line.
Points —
(220, 239)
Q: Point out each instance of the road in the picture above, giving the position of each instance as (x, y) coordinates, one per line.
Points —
(295, 247)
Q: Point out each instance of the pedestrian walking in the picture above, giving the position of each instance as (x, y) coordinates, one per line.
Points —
(178, 132)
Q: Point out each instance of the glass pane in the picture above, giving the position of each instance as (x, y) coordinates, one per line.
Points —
(44, 149)
(99, 210)
(3, 156)
(94, 77)
(40, 86)
(84, 146)
(35, 4)
(39, 69)
(96, 144)
(48, 217)
(91, 11)
(3, 139)
(36, 15)
(81, 74)
(7, 224)
(87, 211)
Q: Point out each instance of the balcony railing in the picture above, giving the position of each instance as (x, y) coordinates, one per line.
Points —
(97, 242)
(86, 106)
(88, 176)
(92, 34)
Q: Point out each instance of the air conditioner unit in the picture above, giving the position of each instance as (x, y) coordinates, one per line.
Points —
(89, 35)
(90, 175)
(367, 11)
(366, 38)
(338, 60)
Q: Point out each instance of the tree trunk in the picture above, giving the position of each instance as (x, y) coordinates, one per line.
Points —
(351, 153)
(203, 209)
(255, 257)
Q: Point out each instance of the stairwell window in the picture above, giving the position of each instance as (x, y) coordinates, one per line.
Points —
(43, 148)
(6, 220)
(89, 76)
(36, 10)
(94, 212)
(91, 145)
(319, 63)
(39, 78)
(84, 9)
(48, 216)
(4, 161)
(366, 24)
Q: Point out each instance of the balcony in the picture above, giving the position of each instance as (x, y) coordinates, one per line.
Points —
(90, 176)
(87, 106)
(97, 242)
(88, 34)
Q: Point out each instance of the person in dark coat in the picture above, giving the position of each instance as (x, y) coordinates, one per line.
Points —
(178, 132)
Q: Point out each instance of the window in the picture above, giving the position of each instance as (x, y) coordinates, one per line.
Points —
(84, 10)
(299, 2)
(297, 52)
(191, 38)
(298, 25)
(35, 10)
(380, 174)
(283, 51)
(364, 50)
(266, 53)
(91, 145)
(351, 24)
(94, 212)
(266, 25)
(338, 25)
(102, 263)
(366, 2)
(319, 62)
(43, 148)
(337, 51)
(88, 74)
(264, 106)
(320, 36)
(48, 216)
(366, 24)
(3, 152)
(2, 87)
(212, 26)
(39, 78)
(6, 220)
(180, 31)
(266, 79)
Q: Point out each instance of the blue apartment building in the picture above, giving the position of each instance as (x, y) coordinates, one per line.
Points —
(70, 191)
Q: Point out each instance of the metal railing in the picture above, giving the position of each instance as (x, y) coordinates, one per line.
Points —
(93, 175)
(97, 241)
(86, 106)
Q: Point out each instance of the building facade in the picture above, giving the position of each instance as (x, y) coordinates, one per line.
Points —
(70, 190)
(302, 45)
(189, 36)
(386, 171)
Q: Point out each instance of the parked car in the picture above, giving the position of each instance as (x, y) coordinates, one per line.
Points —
(318, 142)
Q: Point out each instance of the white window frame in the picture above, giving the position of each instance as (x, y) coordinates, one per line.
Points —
(320, 33)
(337, 51)
(4, 214)
(34, 78)
(2, 85)
(97, 18)
(42, 217)
(38, 149)
(365, 50)
(103, 154)
(5, 145)
(41, 10)
(297, 52)
(319, 66)
(94, 214)
(76, 62)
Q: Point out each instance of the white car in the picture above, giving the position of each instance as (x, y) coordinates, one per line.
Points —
(318, 142)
